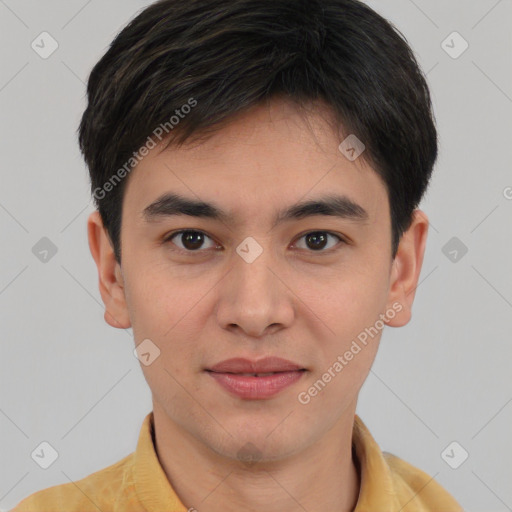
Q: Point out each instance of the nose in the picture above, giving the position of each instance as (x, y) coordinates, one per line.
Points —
(255, 299)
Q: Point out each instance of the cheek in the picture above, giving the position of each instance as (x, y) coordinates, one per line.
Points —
(349, 304)
(166, 310)
(158, 300)
(346, 300)
(342, 368)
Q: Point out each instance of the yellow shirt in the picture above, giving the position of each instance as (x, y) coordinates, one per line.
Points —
(137, 483)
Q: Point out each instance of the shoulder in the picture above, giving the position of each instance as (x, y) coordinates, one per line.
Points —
(418, 490)
(108, 490)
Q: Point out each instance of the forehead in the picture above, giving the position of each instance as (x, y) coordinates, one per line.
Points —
(268, 156)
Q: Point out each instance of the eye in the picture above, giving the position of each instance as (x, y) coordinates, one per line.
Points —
(317, 240)
(191, 240)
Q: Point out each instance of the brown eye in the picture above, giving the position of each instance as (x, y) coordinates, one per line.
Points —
(318, 240)
(191, 240)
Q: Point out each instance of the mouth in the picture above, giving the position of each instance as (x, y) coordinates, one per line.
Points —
(258, 374)
(255, 380)
(261, 367)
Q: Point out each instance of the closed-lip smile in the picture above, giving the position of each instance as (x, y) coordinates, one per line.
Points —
(256, 379)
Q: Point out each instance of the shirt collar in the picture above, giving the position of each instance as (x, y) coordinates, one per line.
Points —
(151, 485)
(377, 490)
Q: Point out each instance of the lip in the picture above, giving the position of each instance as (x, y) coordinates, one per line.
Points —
(229, 374)
(265, 365)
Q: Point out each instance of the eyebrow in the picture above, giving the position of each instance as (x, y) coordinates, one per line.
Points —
(171, 204)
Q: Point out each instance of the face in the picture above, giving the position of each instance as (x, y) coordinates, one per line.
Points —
(249, 277)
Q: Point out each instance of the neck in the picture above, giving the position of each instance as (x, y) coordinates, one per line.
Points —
(321, 477)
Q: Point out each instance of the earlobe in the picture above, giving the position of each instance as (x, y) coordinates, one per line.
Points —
(110, 279)
(406, 268)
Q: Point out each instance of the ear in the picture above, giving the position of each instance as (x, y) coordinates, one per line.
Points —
(111, 283)
(406, 268)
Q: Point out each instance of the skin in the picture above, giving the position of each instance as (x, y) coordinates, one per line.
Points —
(292, 301)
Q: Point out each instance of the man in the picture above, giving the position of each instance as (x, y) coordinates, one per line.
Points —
(256, 167)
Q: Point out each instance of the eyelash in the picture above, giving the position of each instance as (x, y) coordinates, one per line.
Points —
(184, 251)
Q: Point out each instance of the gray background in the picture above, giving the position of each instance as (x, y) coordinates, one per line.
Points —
(68, 378)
